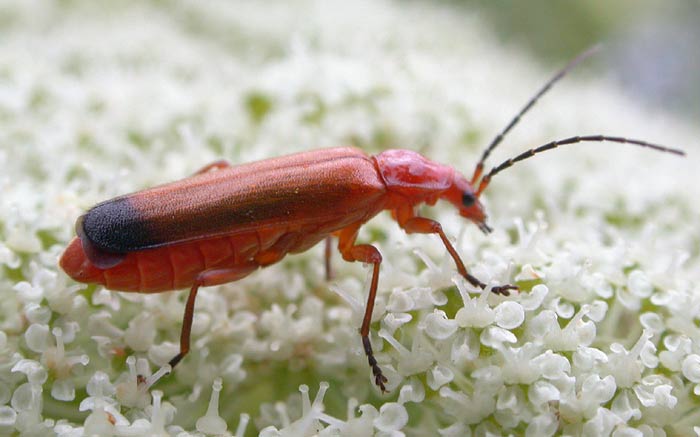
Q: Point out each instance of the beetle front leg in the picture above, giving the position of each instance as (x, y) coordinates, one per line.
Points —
(204, 279)
(367, 254)
(421, 225)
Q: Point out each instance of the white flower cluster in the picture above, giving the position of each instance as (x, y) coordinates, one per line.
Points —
(602, 339)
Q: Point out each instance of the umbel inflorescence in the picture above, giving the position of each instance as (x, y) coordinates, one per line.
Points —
(602, 338)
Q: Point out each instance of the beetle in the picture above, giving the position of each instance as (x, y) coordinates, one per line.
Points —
(225, 222)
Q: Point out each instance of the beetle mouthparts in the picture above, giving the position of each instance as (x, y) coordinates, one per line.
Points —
(486, 229)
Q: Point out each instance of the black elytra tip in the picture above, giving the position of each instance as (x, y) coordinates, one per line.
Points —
(99, 258)
(114, 227)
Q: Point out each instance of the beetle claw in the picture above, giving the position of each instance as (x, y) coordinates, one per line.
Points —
(504, 290)
(380, 379)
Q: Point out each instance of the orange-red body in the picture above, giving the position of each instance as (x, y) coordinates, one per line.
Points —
(162, 238)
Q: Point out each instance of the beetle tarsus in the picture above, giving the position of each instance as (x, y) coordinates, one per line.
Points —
(379, 378)
(503, 290)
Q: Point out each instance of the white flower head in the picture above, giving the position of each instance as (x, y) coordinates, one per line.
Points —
(600, 339)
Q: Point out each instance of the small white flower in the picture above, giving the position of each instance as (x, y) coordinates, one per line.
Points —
(400, 301)
(677, 347)
(468, 409)
(518, 366)
(654, 391)
(417, 359)
(8, 257)
(313, 419)
(392, 417)
(104, 408)
(509, 315)
(602, 423)
(437, 326)
(533, 300)
(55, 358)
(626, 406)
(511, 408)
(211, 422)
(691, 367)
(393, 321)
(27, 400)
(585, 402)
(439, 376)
(159, 414)
(638, 284)
(551, 365)
(412, 391)
(476, 312)
(465, 347)
(540, 393)
(495, 337)
(141, 332)
(132, 388)
(527, 273)
(37, 314)
(626, 366)
(587, 359)
(545, 424)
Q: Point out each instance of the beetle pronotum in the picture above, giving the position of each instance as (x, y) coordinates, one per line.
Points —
(225, 222)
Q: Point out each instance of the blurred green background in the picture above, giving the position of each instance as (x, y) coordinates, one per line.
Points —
(651, 48)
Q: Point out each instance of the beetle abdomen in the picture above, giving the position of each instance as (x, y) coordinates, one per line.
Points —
(160, 269)
(177, 266)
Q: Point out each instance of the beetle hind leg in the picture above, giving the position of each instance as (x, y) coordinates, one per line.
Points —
(204, 279)
(367, 254)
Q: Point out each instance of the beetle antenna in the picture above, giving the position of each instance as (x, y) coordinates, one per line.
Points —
(561, 73)
(571, 140)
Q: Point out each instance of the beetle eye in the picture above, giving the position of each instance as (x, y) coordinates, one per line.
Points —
(468, 199)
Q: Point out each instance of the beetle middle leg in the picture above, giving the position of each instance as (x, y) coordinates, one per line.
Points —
(327, 257)
(367, 254)
(204, 279)
(413, 224)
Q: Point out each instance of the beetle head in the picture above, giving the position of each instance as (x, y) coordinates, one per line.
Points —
(415, 179)
(463, 196)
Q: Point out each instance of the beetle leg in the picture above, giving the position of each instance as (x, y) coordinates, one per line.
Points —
(421, 225)
(327, 256)
(204, 279)
(367, 254)
(221, 163)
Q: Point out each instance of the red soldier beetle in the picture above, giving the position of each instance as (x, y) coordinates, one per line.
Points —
(219, 226)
